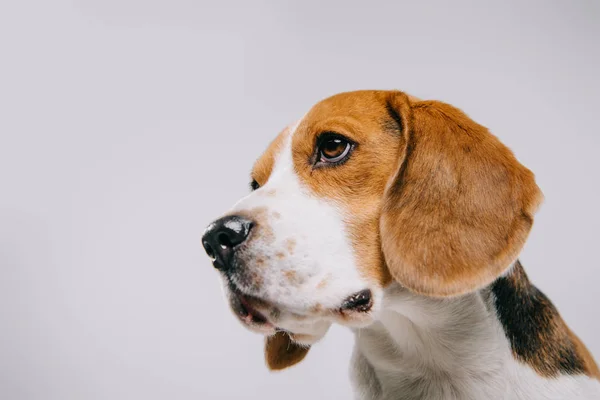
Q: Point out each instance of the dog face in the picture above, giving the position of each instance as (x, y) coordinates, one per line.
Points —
(368, 188)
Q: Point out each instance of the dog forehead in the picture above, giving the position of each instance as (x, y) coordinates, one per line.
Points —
(361, 104)
(360, 109)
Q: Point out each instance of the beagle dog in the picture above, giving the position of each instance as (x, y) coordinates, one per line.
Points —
(403, 220)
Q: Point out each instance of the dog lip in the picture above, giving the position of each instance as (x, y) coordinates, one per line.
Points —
(244, 307)
(249, 313)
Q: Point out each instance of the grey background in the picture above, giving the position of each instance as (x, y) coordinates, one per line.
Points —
(127, 125)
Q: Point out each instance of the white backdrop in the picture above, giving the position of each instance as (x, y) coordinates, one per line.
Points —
(127, 125)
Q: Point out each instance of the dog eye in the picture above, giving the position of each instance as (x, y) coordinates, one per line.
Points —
(254, 185)
(334, 149)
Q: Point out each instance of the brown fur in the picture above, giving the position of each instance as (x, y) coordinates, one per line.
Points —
(459, 207)
(438, 203)
(360, 183)
(264, 165)
(589, 364)
(281, 352)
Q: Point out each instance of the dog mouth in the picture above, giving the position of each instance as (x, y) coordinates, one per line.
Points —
(246, 308)
(261, 316)
(248, 313)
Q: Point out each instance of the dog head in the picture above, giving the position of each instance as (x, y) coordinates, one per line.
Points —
(368, 188)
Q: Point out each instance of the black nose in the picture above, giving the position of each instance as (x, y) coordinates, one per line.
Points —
(222, 236)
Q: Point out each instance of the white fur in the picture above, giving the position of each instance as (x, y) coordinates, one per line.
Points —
(322, 261)
(431, 349)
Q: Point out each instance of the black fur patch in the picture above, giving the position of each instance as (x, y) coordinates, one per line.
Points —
(537, 334)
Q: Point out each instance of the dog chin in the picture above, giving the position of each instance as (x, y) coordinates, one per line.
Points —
(259, 316)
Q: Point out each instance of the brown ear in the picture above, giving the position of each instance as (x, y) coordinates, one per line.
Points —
(459, 207)
(281, 352)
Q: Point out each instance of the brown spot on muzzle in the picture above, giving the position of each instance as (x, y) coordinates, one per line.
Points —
(317, 308)
(290, 244)
(293, 277)
(290, 274)
(324, 282)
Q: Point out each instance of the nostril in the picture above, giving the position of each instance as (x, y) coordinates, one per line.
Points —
(224, 241)
(209, 250)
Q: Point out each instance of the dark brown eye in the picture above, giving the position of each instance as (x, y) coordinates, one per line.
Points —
(254, 185)
(334, 149)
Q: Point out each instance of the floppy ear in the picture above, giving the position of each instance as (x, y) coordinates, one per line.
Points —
(459, 207)
(281, 352)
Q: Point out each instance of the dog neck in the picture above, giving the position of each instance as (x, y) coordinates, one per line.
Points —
(457, 348)
(429, 348)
